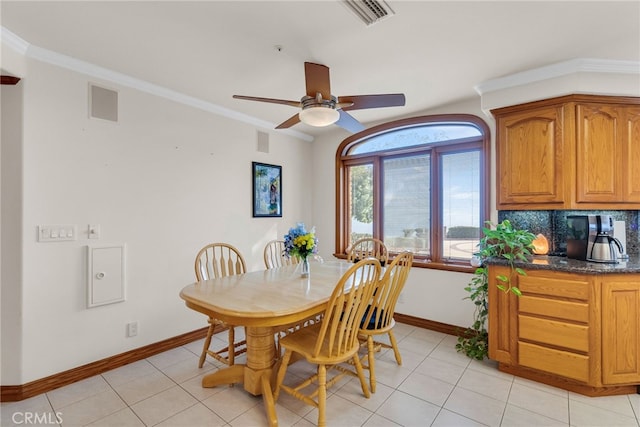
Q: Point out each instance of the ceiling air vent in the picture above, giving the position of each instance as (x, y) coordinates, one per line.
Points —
(369, 11)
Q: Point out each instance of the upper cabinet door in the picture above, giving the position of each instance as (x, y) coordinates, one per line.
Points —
(530, 158)
(608, 154)
(598, 153)
(631, 155)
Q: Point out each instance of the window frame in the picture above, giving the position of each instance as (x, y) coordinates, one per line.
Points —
(344, 161)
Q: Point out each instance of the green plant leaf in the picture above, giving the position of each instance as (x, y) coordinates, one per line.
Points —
(504, 241)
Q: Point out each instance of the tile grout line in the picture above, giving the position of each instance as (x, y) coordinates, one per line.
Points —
(420, 358)
(504, 411)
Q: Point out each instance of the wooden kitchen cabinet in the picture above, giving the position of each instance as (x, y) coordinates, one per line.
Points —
(502, 318)
(571, 330)
(608, 152)
(620, 329)
(571, 152)
(530, 157)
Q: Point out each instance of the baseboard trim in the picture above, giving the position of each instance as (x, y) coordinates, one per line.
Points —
(445, 328)
(567, 384)
(15, 393)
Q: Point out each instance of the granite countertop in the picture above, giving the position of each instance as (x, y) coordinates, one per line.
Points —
(559, 263)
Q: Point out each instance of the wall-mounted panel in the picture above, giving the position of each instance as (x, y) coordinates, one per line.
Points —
(106, 274)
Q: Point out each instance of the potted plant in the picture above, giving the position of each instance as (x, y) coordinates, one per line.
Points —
(506, 242)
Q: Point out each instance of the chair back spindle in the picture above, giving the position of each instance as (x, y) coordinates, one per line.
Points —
(380, 313)
(346, 307)
(366, 248)
(274, 255)
(335, 337)
(219, 260)
(378, 318)
(213, 261)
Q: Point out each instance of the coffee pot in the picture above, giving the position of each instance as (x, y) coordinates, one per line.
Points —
(604, 249)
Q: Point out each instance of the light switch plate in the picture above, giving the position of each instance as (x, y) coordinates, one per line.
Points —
(57, 233)
(94, 231)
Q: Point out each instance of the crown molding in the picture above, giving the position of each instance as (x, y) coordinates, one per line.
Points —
(13, 41)
(580, 65)
(54, 58)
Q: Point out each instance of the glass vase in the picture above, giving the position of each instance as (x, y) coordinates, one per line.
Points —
(305, 267)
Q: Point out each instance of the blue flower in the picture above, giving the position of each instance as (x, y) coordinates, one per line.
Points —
(299, 242)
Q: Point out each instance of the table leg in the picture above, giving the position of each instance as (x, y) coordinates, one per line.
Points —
(261, 356)
(231, 375)
(256, 375)
(267, 398)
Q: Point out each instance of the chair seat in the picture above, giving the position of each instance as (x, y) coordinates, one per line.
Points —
(376, 317)
(373, 330)
(304, 340)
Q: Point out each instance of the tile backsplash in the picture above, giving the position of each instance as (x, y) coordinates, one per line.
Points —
(553, 225)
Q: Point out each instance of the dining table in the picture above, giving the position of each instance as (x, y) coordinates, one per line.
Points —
(264, 302)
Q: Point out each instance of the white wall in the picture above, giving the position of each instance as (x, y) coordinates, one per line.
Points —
(10, 235)
(165, 180)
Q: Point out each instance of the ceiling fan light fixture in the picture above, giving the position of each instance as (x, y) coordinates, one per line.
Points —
(319, 116)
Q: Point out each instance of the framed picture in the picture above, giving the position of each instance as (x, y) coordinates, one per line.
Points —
(267, 189)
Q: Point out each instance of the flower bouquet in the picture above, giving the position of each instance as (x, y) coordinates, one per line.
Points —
(301, 243)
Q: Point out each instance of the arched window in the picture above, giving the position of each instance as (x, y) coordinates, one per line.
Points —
(418, 184)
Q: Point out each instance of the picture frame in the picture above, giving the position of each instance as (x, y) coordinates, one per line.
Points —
(267, 190)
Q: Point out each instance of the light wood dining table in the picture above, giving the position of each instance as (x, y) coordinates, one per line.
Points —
(264, 302)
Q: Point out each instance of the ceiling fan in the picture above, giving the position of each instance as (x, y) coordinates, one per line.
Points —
(9, 80)
(320, 108)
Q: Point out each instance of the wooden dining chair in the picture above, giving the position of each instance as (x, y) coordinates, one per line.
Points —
(368, 247)
(378, 317)
(334, 339)
(213, 261)
(274, 255)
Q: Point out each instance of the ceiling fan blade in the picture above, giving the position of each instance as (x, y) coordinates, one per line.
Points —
(361, 102)
(9, 80)
(271, 100)
(316, 77)
(348, 122)
(289, 122)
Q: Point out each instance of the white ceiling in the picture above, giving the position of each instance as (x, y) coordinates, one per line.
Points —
(433, 52)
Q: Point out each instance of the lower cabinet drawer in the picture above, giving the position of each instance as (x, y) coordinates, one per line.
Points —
(549, 307)
(563, 363)
(561, 334)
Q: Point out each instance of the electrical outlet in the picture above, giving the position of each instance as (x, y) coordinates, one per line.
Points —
(132, 329)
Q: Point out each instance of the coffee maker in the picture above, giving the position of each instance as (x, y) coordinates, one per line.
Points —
(590, 238)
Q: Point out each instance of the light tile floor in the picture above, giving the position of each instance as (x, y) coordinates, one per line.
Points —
(435, 386)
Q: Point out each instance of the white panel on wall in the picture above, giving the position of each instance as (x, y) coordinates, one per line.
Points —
(103, 103)
(263, 142)
(106, 278)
